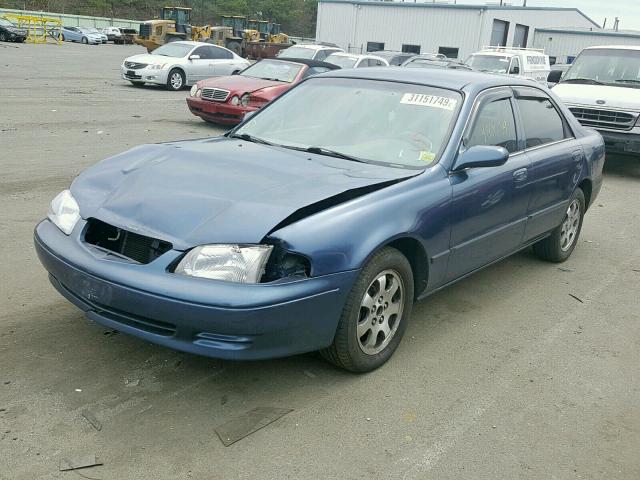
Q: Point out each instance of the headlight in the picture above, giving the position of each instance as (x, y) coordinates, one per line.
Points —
(64, 211)
(231, 263)
(234, 100)
(244, 101)
(157, 66)
(193, 90)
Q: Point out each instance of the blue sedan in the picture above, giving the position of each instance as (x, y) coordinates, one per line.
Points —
(317, 222)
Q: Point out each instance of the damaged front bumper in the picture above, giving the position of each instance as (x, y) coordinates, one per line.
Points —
(218, 112)
(205, 317)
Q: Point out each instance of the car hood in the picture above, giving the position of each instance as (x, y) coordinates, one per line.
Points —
(150, 59)
(619, 98)
(241, 84)
(217, 190)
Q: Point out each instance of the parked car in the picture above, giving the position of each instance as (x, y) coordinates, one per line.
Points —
(602, 89)
(434, 61)
(127, 36)
(311, 51)
(227, 100)
(524, 62)
(10, 32)
(95, 31)
(316, 223)
(352, 60)
(79, 34)
(393, 57)
(112, 33)
(179, 64)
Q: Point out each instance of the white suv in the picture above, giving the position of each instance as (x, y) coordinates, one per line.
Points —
(602, 90)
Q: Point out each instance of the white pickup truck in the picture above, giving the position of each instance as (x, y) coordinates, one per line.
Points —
(602, 90)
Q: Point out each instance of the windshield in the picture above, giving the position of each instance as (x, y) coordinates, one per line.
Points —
(176, 50)
(297, 52)
(489, 63)
(609, 66)
(342, 61)
(385, 123)
(6, 23)
(273, 70)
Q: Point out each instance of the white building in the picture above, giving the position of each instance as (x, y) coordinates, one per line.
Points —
(452, 29)
(563, 45)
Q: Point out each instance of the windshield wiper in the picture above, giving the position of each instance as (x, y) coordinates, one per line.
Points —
(627, 80)
(582, 80)
(250, 138)
(330, 153)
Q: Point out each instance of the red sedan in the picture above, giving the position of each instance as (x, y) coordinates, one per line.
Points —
(226, 100)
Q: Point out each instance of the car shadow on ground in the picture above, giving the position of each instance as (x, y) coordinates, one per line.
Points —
(627, 166)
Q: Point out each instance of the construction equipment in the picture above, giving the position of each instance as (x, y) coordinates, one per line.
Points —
(245, 36)
(174, 24)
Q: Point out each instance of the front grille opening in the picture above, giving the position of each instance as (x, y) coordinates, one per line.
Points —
(590, 117)
(133, 246)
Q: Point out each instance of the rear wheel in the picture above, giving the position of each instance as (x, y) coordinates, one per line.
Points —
(375, 315)
(175, 80)
(3, 37)
(558, 246)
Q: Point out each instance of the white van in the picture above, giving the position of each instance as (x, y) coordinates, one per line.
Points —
(602, 90)
(525, 62)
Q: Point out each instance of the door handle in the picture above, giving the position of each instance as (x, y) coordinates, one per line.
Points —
(520, 175)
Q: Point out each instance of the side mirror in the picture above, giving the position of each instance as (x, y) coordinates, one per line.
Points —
(515, 70)
(554, 76)
(194, 57)
(481, 156)
(235, 72)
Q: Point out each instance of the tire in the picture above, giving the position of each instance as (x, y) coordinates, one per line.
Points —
(360, 343)
(3, 37)
(173, 83)
(558, 246)
(84, 40)
(235, 47)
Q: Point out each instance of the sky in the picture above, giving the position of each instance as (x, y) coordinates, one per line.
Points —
(627, 10)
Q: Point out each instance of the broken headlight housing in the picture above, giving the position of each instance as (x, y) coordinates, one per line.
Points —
(64, 212)
(230, 263)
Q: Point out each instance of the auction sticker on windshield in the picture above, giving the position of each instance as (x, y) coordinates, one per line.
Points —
(433, 101)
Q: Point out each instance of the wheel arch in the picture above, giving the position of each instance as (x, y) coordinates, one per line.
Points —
(415, 253)
(587, 188)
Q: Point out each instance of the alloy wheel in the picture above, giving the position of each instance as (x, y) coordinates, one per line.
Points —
(176, 81)
(380, 312)
(570, 226)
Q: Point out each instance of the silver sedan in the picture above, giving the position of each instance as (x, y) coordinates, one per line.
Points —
(179, 64)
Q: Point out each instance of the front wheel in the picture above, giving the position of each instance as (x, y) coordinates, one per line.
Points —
(84, 40)
(558, 246)
(175, 80)
(375, 315)
(3, 37)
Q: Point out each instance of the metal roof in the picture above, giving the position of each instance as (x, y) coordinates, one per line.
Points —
(600, 32)
(378, 3)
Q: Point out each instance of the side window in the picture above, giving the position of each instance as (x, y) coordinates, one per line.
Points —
(363, 63)
(202, 51)
(494, 125)
(216, 53)
(322, 54)
(515, 66)
(541, 121)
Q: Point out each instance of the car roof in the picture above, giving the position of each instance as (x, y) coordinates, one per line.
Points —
(615, 47)
(306, 61)
(355, 55)
(313, 46)
(192, 43)
(453, 79)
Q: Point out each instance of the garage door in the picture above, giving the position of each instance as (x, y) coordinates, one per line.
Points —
(499, 33)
